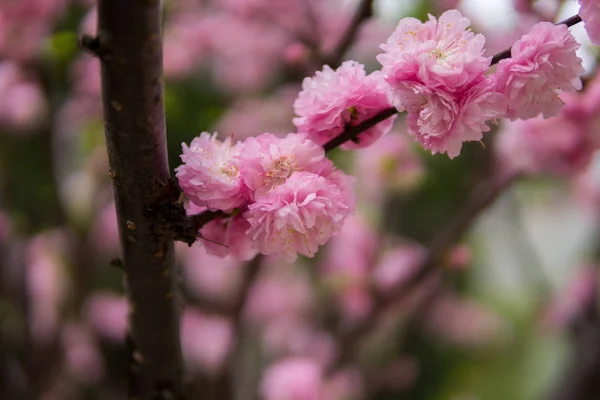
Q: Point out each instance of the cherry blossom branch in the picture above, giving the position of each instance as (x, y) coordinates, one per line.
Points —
(573, 20)
(184, 233)
(130, 49)
(481, 198)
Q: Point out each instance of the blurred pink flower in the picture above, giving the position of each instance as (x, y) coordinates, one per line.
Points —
(206, 341)
(276, 296)
(268, 161)
(47, 284)
(210, 174)
(187, 43)
(82, 356)
(331, 100)
(571, 302)
(107, 314)
(295, 337)
(464, 323)
(389, 166)
(397, 265)
(251, 116)
(556, 146)
(22, 105)
(105, 231)
(297, 216)
(590, 14)
(293, 379)
(347, 265)
(210, 277)
(542, 63)
(438, 54)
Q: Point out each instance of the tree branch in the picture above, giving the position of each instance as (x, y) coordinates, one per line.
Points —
(129, 37)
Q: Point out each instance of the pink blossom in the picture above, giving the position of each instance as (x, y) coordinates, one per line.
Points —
(227, 236)
(83, 359)
(210, 174)
(556, 146)
(440, 53)
(293, 379)
(209, 277)
(22, 105)
(441, 121)
(107, 314)
(206, 341)
(268, 161)
(397, 265)
(297, 216)
(389, 166)
(542, 63)
(590, 14)
(332, 100)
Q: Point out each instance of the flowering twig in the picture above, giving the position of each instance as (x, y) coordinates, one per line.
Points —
(352, 132)
(132, 95)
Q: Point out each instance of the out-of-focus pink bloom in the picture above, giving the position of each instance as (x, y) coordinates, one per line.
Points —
(347, 265)
(107, 315)
(105, 231)
(298, 216)
(187, 44)
(440, 53)
(206, 341)
(82, 355)
(542, 63)
(296, 53)
(227, 236)
(251, 116)
(210, 174)
(295, 337)
(22, 104)
(464, 322)
(210, 277)
(390, 165)
(293, 296)
(459, 257)
(332, 100)
(268, 161)
(47, 285)
(397, 265)
(571, 302)
(590, 14)
(441, 121)
(25, 23)
(293, 379)
(556, 146)
(85, 76)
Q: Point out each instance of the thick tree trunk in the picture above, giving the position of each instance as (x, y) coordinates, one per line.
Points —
(129, 46)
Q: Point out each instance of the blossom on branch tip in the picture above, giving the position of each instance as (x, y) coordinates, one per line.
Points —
(298, 216)
(331, 100)
(542, 64)
(590, 14)
(438, 53)
(210, 174)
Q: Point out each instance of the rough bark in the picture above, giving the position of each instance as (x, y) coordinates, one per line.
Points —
(129, 46)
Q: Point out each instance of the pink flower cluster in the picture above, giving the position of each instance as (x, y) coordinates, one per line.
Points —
(284, 196)
(542, 63)
(436, 73)
(332, 100)
(590, 14)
